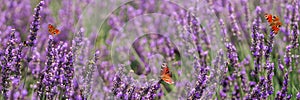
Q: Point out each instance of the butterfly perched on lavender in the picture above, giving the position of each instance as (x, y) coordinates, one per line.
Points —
(274, 22)
(165, 74)
(52, 30)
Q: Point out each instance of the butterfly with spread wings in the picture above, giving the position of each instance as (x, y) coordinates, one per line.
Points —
(52, 30)
(165, 74)
(274, 22)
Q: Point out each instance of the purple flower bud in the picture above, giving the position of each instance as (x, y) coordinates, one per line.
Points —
(280, 66)
(298, 96)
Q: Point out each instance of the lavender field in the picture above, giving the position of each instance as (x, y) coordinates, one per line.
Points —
(149, 50)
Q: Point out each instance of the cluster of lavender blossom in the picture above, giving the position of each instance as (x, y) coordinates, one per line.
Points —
(215, 49)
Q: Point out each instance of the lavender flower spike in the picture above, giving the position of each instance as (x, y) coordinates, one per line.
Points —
(269, 46)
(235, 29)
(35, 24)
(6, 64)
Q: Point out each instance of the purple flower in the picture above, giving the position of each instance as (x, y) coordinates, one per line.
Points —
(225, 84)
(244, 80)
(282, 94)
(235, 93)
(252, 84)
(123, 88)
(295, 20)
(17, 92)
(205, 37)
(223, 31)
(232, 55)
(235, 28)
(288, 58)
(280, 65)
(35, 24)
(298, 96)
(257, 43)
(246, 9)
(7, 64)
(200, 84)
(48, 75)
(256, 93)
(269, 86)
(269, 46)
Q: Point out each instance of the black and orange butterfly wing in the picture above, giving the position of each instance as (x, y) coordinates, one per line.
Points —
(275, 29)
(56, 31)
(165, 74)
(50, 27)
(167, 79)
(269, 18)
(275, 18)
(165, 69)
(52, 30)
(276, 24)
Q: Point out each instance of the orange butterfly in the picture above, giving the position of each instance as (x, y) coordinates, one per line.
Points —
(165, 74)
(52, 30)
(274, 22)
